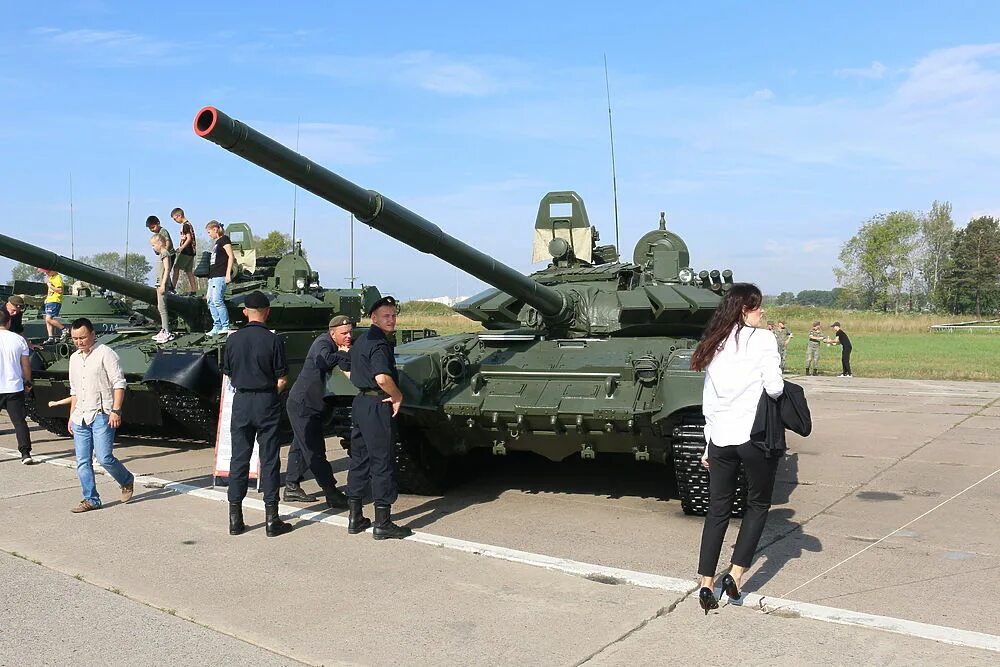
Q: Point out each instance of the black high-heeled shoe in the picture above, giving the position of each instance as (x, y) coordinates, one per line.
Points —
(730, 588)
(706, 598)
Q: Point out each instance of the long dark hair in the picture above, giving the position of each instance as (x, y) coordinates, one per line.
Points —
(728, 314)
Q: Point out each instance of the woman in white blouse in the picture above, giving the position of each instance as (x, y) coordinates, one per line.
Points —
(740, 362)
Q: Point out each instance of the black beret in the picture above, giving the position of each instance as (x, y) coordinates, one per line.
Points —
(256, 300)
(384, 301)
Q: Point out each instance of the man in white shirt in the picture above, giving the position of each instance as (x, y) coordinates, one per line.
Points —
(97, 391)
(15, 379)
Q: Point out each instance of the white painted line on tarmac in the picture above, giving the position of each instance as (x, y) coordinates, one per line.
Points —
(760, 603)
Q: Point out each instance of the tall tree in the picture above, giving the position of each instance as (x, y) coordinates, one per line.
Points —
(878, 260)
(22, 271)
(275, 244)
(971, 281)
(137, 269)
(937, 232)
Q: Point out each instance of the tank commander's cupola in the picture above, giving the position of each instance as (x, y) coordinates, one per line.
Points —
(664, 255)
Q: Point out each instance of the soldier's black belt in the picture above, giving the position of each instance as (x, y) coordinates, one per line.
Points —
(269, 390)
(374, 392)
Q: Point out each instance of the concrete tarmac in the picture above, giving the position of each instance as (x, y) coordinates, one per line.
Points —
(882, 453)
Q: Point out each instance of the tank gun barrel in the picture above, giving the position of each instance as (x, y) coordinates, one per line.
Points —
(188, 307)
(375, 210)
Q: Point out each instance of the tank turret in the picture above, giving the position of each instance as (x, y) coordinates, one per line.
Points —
(584, 292)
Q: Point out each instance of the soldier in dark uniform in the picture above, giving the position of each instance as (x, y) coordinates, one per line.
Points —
(255, 363)
(373, 432)
(328, 353)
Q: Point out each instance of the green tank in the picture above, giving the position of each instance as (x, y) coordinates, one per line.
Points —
(173, 388)
(105, 309)
(587, 357)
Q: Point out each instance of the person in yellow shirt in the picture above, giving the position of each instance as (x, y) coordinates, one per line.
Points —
(53, 304)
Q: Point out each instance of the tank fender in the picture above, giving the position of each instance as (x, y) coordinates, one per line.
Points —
(197, 371)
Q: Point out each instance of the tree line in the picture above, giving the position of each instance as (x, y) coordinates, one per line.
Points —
(907, 260)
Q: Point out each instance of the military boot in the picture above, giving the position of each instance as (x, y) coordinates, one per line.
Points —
(385, 529)
(236, 525)
(295, 494)
(357, 522)
(335, 499)
(273, 525)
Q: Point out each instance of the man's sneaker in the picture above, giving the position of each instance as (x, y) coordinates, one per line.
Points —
(127, 492)
(158, 335)
(49, 340)
(27, 460)
(85, 506)
(211, 333)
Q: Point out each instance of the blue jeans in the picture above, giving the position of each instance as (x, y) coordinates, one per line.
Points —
(97, 435)
(215, 295)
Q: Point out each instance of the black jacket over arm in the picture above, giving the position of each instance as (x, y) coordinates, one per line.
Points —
(790, 410)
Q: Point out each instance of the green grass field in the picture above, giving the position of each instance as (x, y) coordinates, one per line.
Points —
(885, 345)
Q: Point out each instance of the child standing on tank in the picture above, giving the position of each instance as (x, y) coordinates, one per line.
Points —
(162, 282)
(53, 304)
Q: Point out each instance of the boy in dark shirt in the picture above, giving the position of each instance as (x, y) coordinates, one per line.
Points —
(841, 338)
(185, 251)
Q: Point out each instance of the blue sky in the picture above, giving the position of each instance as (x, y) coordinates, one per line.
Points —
(768, 132)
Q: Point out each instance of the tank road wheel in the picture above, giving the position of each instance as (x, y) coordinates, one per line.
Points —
(687, 446)
(420, 469)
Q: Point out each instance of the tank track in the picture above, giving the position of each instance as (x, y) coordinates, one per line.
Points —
(53, 425)
(420, 470)
(687, 447)
(188, 410)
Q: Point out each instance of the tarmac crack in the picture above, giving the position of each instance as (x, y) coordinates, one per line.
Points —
(172, 612)
(38, 493)
(661, 612)
(800, 526)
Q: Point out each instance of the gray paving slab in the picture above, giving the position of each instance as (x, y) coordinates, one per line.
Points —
(321, 595)
(50, 618)
(742, 636)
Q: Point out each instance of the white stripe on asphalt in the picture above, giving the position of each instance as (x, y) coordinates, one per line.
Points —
(762, 603)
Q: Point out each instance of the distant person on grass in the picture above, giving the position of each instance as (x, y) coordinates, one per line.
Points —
(816, 339)
(840, 338)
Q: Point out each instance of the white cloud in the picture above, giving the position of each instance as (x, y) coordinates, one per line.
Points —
(111, 47)
(956, 75)
(874, 71)
(424, 70)
(762, 95)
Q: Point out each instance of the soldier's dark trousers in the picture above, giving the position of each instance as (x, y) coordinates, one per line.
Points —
(372, 439)
(14, 403)
(308, 447)
(255, 417)
(845, 360)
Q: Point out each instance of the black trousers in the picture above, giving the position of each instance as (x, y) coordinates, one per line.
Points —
(15, 410)
(723, 467)
(373, 435)
(845, 360)
(308, 447)
(255, 417)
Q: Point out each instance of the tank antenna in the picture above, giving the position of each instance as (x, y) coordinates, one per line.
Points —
(72, 235)
(353, 277)
(128, 217)
(295, 189)
(611, 132)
